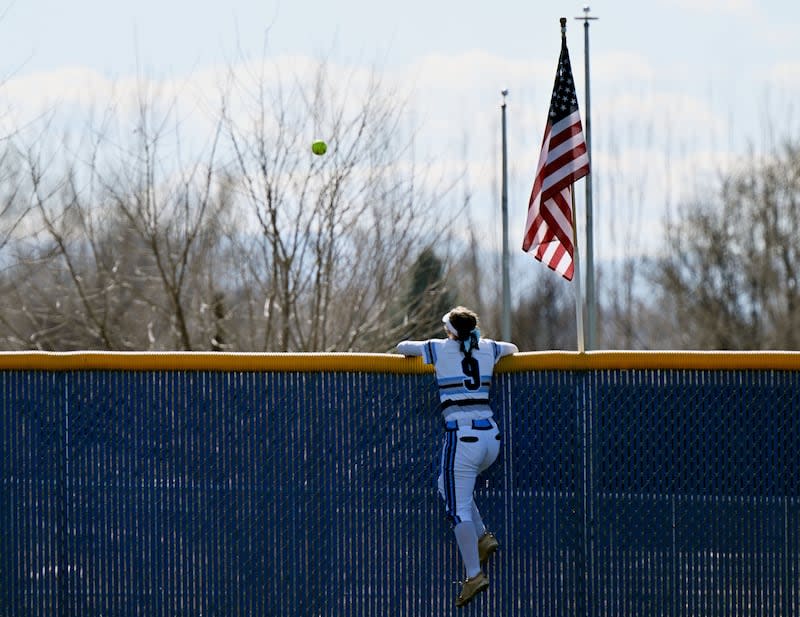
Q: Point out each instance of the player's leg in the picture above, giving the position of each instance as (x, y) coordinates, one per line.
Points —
(462, 455)
(490, 440)
(491, 452)
(477, 520)
(468, 456)
(456, 484)
(467, 541)
(466, 462)
(487, 542)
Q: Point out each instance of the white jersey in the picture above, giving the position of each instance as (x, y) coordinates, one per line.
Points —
(464, 381)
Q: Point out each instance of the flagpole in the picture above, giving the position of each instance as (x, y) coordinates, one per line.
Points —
(591, 300)
(577, 280)
(506, 317)
(550, 231)
(575, 260)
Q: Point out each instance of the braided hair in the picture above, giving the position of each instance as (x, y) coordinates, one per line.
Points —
(465, 322)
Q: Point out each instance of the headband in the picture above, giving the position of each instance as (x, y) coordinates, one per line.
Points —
(450, 328)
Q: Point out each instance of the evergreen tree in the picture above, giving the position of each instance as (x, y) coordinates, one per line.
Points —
(427, 297)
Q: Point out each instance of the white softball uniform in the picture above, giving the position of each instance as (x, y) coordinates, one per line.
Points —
(472, 439)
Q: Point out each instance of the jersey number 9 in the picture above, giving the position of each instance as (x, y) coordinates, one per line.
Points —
(472, 370)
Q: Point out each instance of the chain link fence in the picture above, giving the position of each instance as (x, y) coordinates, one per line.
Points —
(283, 493)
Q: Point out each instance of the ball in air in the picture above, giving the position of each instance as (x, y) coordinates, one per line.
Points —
(319, 147)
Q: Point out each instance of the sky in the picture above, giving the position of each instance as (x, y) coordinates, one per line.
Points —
(680, 90)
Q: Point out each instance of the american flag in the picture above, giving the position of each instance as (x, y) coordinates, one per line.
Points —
(563, 160)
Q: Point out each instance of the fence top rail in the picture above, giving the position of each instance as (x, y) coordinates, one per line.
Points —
(391, 363)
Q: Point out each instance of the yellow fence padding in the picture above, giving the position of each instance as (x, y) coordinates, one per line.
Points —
(392, 363)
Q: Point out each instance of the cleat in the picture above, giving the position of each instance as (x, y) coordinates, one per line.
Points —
(487, 545)
(472, 587)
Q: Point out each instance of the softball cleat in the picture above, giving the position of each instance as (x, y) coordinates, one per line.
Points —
(487, 545)
(472, 587)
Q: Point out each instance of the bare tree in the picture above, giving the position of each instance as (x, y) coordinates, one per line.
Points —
(120, 238)
(173, 210)
(621, 194)
(249, 243)
(729, 275)
(13, 205)
(337, 233)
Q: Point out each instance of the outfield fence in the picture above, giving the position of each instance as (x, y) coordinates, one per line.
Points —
(629, 484)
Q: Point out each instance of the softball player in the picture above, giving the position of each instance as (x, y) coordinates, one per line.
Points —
(464, 363)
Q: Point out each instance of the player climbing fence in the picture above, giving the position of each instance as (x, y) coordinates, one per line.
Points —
(202, 484)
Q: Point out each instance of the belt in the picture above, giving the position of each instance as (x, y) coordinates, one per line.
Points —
(481, 424)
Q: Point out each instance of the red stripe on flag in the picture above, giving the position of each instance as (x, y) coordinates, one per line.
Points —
(565, 134)
(555, 165)
(564, 182)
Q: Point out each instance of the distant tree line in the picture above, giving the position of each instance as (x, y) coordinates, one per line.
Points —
(255, 244)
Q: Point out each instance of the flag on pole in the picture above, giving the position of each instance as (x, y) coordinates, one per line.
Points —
(549, 229)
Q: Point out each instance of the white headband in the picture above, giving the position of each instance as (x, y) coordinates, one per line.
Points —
(450, 328)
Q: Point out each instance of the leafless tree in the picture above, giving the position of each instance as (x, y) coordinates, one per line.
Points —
(248, 243)
(119, 237)
(336, 234)
(173, 211)
(13, 205)
(729, 278)
(620, 201)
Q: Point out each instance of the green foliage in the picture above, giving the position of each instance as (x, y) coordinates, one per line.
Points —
(427, 297)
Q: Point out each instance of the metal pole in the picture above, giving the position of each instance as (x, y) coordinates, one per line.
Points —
(577, 280)
(506, 316)
(591, 302)
(576, 275)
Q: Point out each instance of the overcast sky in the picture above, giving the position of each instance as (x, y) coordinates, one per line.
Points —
(679, 88)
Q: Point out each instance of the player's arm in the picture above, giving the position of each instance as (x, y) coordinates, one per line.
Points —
(411, 348)
(426, 349)
(506, 349)
(502, 348)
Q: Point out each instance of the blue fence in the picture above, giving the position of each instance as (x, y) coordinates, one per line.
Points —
(312, 493)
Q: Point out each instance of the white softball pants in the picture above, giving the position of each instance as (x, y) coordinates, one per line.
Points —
(469, 448)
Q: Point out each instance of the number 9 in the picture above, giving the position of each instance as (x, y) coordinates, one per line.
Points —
(472, 370)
